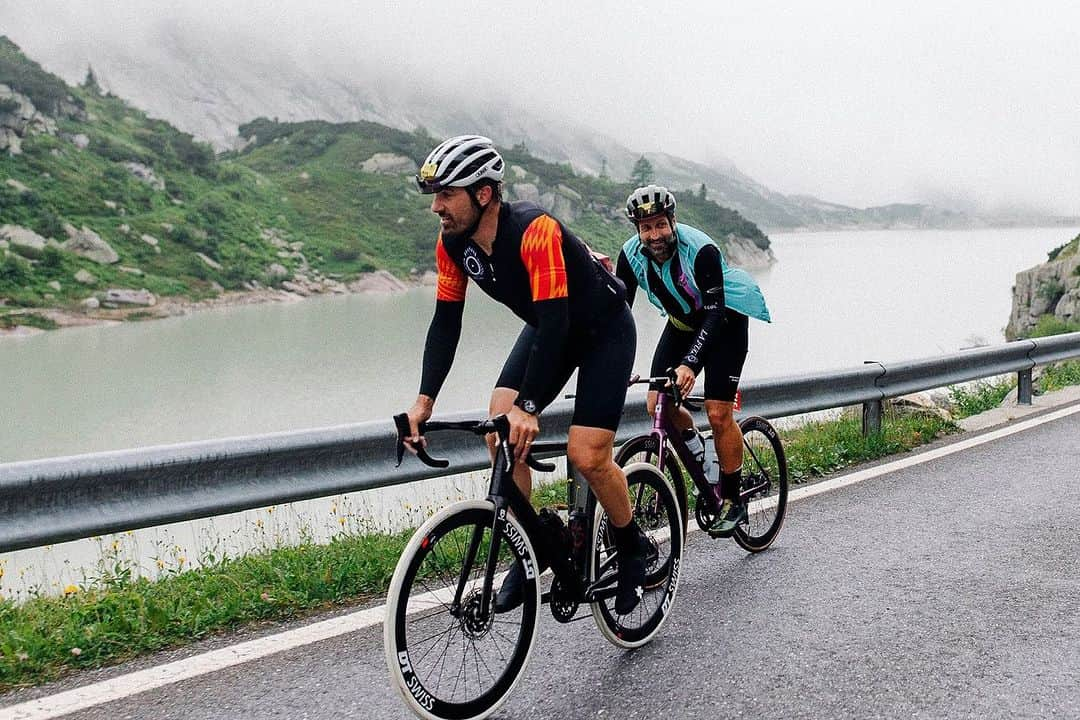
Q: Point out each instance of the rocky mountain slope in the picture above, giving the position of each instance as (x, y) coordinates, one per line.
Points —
(101, 205)
(1046, 298)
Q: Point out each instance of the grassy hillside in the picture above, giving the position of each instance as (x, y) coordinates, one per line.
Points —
(297, 197)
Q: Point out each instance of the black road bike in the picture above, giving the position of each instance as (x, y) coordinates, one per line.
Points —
(764, 471)
(448, 652)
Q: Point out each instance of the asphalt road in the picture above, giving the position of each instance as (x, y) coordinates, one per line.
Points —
(949, 589)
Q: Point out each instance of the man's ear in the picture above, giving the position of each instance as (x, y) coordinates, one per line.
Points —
(484, 195)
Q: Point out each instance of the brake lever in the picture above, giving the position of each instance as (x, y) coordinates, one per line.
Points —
(403, 430)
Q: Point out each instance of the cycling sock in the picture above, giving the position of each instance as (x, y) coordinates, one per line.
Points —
(731, 485)
(625, 536)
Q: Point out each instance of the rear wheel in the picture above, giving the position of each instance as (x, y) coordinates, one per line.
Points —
(452, 660)
(656, 511)
(764, 485)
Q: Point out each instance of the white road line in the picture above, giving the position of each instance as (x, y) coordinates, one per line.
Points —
(123, 686)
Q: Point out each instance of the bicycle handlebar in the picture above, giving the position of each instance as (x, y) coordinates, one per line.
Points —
(497, 424)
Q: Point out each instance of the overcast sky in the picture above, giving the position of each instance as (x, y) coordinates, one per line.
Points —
(855, 102)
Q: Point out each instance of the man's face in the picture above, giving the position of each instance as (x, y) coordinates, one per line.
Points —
(656, 233)
(455, 210)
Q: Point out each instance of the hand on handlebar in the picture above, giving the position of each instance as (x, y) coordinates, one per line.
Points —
(524, 427)
(685, 379)
(419, 413)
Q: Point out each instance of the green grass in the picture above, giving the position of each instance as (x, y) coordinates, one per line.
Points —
(985, 395)
(10, 320)
(821, 448)
(1061, 375)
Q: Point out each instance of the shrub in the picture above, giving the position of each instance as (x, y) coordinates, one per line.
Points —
(14, 271)
(48, 224)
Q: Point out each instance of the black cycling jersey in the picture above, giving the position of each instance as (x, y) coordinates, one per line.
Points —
(706, 321)
(538, 269)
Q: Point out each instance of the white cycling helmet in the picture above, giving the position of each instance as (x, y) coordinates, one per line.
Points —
(649, 200)
(460, 162)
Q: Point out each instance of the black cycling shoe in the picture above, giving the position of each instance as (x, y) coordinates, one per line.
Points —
(512, 592)
(729, 517)
(635, 554)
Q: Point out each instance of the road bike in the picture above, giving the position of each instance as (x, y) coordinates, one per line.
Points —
(448, 652)
(764, 472)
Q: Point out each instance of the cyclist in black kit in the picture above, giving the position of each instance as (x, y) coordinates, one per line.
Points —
(707, 304)
(575, 315)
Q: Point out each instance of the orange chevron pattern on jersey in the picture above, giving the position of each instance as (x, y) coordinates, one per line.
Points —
(452, 282)
(541, 252)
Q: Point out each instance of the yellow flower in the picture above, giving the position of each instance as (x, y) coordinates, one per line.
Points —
(70, 590)
(161, 564)
(181, 560)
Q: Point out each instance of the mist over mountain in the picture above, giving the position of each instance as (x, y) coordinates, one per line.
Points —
(208, 79)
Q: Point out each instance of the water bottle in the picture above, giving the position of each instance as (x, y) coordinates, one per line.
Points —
(695, 444)
(712, 462)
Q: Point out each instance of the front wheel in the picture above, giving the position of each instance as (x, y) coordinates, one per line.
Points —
(646, 448)
(448, 657)
(764, 485)
(656, 511)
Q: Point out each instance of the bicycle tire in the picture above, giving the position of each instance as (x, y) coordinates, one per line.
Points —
(418, 603)
(644, 448)
(657, 511)
(764, 462)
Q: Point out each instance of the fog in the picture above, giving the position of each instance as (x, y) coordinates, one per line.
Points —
(967, 104)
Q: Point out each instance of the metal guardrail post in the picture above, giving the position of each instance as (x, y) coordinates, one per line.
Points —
(1023, 387)
(871, 417)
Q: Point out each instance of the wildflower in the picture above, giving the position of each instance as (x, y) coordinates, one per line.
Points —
(341, 521)
(181, 559)
(21, 656)
(70, 590)
(266, 597)
(76, 651)
(160, 564)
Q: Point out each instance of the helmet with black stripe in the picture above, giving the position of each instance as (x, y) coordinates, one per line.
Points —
(461, 161)
(648, 201)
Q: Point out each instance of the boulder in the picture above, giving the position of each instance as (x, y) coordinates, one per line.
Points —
(88, 244)
(149, 240)
(295, 287)
(91, 303)
(145, 174)
(124, 296)
(85, 277)
(518, 172)
(22, 240)
(276, 271)
(55, 285)
(388, 164)
(130, 270)
(10, 141)
(16, 186)
(380, 281)
(80, 141)
(209, 261)
(525, 191)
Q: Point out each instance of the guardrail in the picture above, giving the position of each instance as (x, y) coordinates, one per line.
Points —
(59, 499)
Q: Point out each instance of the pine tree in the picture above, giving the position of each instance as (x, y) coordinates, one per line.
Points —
(701, 192)
(91, 83)
(642, 174)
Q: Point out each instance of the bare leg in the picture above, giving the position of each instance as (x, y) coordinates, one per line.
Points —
(502, 399)
(726, 434)
(590, 451)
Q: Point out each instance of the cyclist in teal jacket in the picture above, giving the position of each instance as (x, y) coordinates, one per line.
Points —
(707, 303)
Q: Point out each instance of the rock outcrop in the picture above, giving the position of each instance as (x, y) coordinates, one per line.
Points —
(388, 164)
(1052, 288)
(22, 240)
(88, 244)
